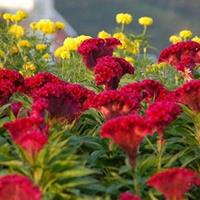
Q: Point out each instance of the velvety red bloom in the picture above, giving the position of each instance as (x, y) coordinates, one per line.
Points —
(189, 94)
(28, 133)
(127, 132)
(109, 70)
(162, 113)
(17, 187)
(10, 81)
(32, 143)
(181, 55)
(26, 126)
(81, 93)
(148, 90)
(38, 108)
(113, 103)
(33, 83)
(128, 196)
(174, 183)
(94, 48)
(61, 103)
(13, 76)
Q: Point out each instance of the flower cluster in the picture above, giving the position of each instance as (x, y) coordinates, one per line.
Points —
(47, 26)
(127, 132)
(188, 94)
(113, 103)
(92, 49)
(29, 133)
(180, 179)
(183, 55)
(109, 70)
(10, 82)
(161, 114)
(32, 84)
(18, 187)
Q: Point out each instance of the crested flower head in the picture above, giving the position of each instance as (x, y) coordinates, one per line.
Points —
(109, 70)
(60, 102)
(127, 132)
(18, 187)
(28, 133)
(81, 93)
(189, 94)
(113, 103)
(148, 90)
(10, 81)
(174, 182)
(162, 113)
(181, 55)
(128, 196)
(94, 48)
(37, 81)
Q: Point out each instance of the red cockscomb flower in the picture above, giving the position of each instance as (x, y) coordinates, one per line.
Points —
(94, 48)
(162, 113)
(61, 103)
(28, 133)
(127, 132)
(19, 188)
(113, 103)
(148, 90)
(26, 126)
(181, 55)
(81, 93)
(174, 182)
(189, 94)
(10, 81)
(109, 70)
(128, 196)
(13, 76)
(32, 84)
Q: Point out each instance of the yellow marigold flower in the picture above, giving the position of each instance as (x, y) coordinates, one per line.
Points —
(41, 47)
(65, 55)
(22, 14)
(58, 51)
(46, 56)
(17, 30)
(129, 59)
(145, 21)
(16, 18)
(24, 43)
(196, 39)
(7, 16)
(29, 66)
(122, 38)
(71, 44)
(14, 50)
(33, 25)
(124, 18)
(175, 39)
(2, 54)
(60, 25)
(46, 26)
(104, 34)
(133, 47)
(185, 34)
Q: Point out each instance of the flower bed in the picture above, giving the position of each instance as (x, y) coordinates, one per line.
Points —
(99, 119)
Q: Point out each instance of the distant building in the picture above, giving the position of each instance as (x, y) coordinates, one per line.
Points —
(39, 9)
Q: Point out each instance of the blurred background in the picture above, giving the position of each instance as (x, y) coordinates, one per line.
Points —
(91, 16)
(170, 16)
